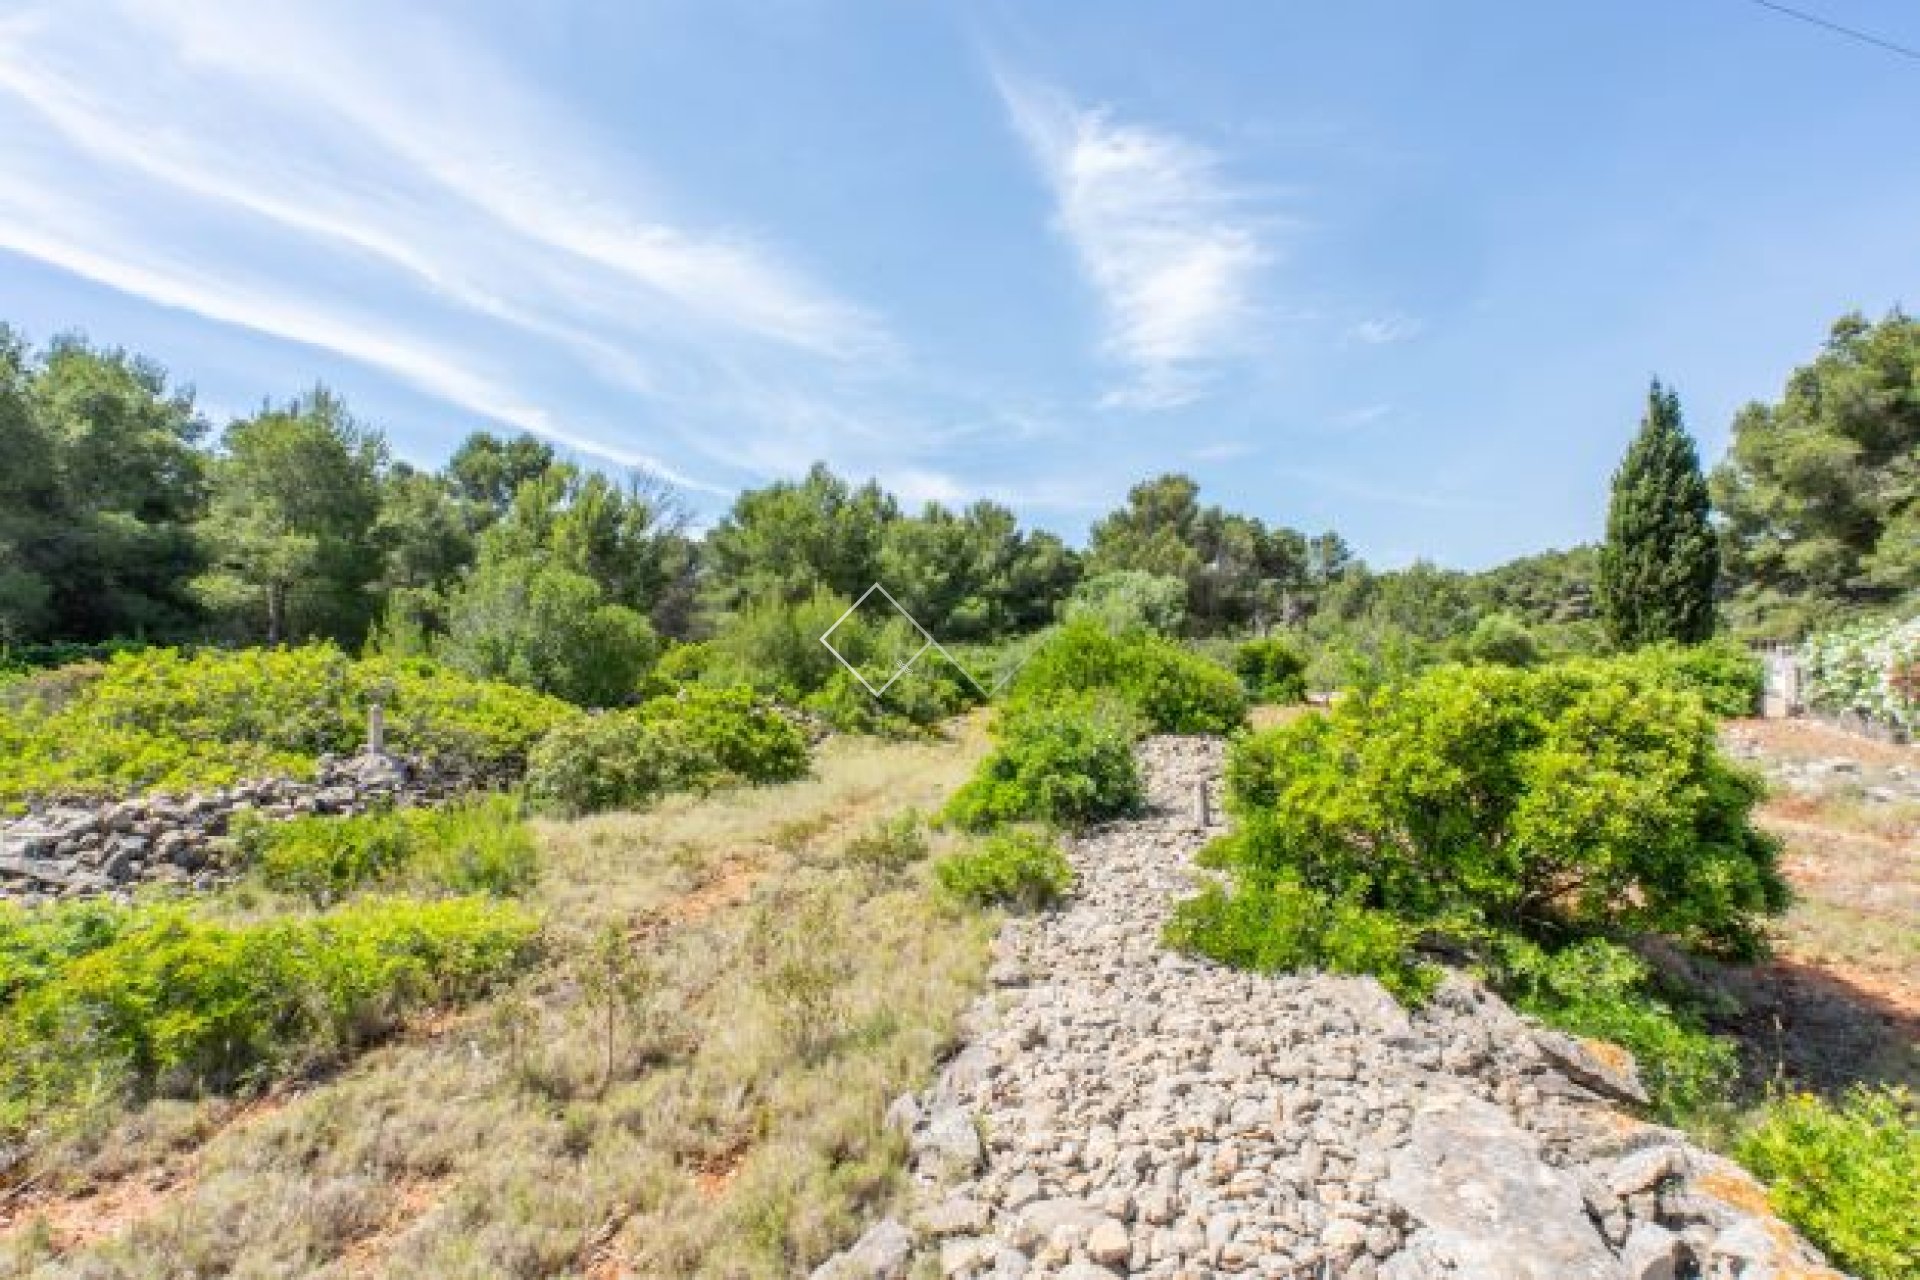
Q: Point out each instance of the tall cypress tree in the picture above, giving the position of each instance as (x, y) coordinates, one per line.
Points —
(1660, 560)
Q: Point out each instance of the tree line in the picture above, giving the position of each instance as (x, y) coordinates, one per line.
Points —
(123, 515)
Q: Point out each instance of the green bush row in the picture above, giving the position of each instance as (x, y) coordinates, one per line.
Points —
(169, 720)
(699, 737)
(477, 845)
(154, 998)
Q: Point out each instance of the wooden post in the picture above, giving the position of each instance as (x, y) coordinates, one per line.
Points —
(1202, 809)
(376, 729)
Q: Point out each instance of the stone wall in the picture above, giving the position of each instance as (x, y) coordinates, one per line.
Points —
(77, 849)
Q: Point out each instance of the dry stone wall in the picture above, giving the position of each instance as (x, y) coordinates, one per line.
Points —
(65, 850)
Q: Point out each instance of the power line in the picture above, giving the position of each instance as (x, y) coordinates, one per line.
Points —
(1851, 33)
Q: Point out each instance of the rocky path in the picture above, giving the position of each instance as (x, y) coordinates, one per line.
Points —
(1125, 1111)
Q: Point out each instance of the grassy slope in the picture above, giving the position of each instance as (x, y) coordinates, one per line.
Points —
(774, 999)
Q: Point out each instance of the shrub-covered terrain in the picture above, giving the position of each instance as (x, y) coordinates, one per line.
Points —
(479, 845)
(168, 719)
(119, 1002)
(1871, 669)
(696, 738)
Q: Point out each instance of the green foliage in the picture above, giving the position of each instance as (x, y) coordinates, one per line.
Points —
(736, 734)
(1066, 760)
(1660, 560)
(1582, 797)
(1500, 638)
(1274, 923)
(1171, 689)
(169, 720)
(1123, 600)
(291, 522)
(1868, 669)
(175, 1002)
(1818, 490)
(98, 494)
(1017, 868)
(775, 647)
(478, 845)
(1271, 669)
(1848, 1175)
(1597, 989)
(693, 739)
(1727, 677)
(544, 627)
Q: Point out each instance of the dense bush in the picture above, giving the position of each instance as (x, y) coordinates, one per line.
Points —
(544, 626)
(775, 648)
(1017, 868)
(170, 720)
(1123, 600)
(1578, 798)
(160, 999)
(1597, 989)
(1500, 638)
(692, 739)
(1171, 689)
(1271, 669)
(1728, 677)
(1067, 760)
(1848, 1176)
(477, 846)
(1273, 923)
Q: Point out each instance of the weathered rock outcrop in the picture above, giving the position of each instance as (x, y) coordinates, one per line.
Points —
(76, 850)
(1124, 1111)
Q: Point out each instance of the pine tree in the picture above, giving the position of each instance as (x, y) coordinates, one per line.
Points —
(1658, 566)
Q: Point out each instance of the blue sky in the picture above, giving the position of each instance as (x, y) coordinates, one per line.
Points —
(1398, 267)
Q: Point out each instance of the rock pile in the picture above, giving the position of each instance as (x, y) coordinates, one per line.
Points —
(1125, 1111)
(75, 850)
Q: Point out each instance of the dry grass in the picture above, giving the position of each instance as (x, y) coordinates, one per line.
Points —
(767, 999)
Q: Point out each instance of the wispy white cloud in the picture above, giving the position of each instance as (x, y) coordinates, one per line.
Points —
(1380, 330)
(1167, 243)
(1363, 416)
(1223, 451)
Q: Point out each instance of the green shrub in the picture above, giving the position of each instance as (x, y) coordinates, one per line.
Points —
(169, 720)
(1272, 924)
(1018, 868)
(37, 943)
(1066, 760)
(1500, 638)
(776, 648)
(1848, 1176)
(1580, 798)
(1728, 677)
(1595, 988)
(734, 733)
(1172, 690)
(478, 845)
(1868, 668)
(1271, 669)
(1126, 599)
(614, 760)
(693, 739)
(537, 624)
(177, 1003)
